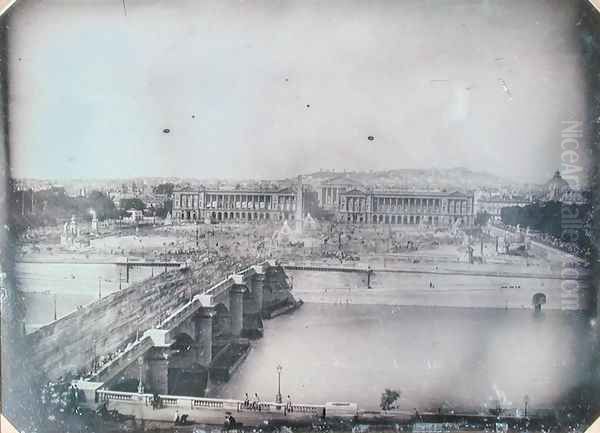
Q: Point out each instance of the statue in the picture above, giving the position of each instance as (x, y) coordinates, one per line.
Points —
(70, 232)
(73, 226)
(94, 221)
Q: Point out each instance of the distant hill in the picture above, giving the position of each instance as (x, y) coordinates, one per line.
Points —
(417, 179)
(431, 178)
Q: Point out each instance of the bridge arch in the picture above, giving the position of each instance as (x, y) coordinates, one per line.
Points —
(538, 300)
(182, 342)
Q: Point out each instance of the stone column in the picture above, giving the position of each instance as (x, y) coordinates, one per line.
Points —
(204, 330)
(236, 306)
(157, 371)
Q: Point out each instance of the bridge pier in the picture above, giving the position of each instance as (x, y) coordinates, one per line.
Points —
(258, 288)
(157, 371)
(236, 309)
(253, 302)
(204, 338)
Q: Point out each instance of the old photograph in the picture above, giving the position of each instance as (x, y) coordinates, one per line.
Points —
(300, 216)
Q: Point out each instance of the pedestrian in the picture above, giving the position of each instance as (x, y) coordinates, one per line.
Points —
(257, 400)
(288, 404)
(246, 401)
(176, 418)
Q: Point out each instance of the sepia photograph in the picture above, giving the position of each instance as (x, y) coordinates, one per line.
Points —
(294, 216)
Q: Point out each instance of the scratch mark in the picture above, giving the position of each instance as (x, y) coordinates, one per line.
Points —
(505, 88)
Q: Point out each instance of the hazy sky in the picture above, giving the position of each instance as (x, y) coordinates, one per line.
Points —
(93, 89)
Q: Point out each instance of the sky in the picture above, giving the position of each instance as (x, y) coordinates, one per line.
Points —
(274, 88)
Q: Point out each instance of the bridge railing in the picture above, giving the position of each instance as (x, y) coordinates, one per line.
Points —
(105, 395)
(176, 317)
(299, 408)
(184, 402)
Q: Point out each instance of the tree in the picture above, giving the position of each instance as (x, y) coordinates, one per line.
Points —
(164, 188)
(482, 218)
(131, 203)
(101, 204)
(164, 209)
(389, 399)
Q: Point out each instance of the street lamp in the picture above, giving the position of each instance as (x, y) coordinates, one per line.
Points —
(140, 361)
(278, 399)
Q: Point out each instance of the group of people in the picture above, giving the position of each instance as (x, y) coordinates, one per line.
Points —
(255, 403)
(180, 419)
(61, 396)
(230, 422)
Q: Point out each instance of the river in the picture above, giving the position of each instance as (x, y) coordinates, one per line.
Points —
(72, 285)
(352, 352)
(469, 357)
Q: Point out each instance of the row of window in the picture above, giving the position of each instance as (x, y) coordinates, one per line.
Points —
(222, 216)
(456, 211)
(228, 201)
(396, 219)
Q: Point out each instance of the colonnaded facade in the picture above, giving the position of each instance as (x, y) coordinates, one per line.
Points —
(235, 205)
(401, 207)
(355, 203)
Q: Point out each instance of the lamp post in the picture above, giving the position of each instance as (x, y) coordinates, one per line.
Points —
(140, 361)
(99, 287)
(278, 398)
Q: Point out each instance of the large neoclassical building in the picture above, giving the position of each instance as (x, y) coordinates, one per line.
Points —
(349, 202)
(401, 207)
(230, 205)
(356, 204)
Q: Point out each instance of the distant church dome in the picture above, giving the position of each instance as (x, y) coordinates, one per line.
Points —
(556, 187)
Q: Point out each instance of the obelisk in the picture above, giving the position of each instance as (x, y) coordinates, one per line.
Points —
(299, 204)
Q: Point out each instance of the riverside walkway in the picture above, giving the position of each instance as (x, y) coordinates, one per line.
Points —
(205, 410)
(364, 268)
(99, 261)
(212, 411)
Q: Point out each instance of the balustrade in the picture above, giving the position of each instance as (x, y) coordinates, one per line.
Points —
(203, 403)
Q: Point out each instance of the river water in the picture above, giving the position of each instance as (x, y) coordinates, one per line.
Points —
(72, 285)
(351, 352)
(469, 357)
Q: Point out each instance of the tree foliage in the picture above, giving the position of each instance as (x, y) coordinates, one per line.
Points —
(131, 203)
(53, 206)
(164, 188)
(568, 223)
(389, 399)
(482, 218)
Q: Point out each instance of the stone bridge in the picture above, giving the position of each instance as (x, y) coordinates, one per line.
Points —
(170, 353)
